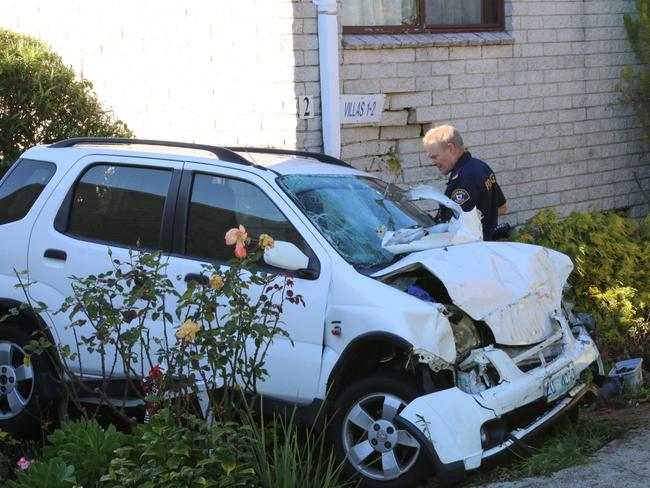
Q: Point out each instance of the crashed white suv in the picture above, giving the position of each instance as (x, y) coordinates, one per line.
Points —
(429, 347)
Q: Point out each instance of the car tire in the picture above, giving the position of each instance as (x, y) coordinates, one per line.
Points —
(367, 441)
(27, 389)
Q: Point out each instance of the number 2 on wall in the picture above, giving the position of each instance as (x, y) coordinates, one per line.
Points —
(306, 107)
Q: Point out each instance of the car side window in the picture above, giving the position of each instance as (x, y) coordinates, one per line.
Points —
(219, 204)
(21, 187)
(120, 205)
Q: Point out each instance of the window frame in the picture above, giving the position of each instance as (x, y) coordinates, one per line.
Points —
(182, 220)
(424, 28)
(62, 218)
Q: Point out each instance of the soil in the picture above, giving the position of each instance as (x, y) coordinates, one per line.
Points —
(628, 415)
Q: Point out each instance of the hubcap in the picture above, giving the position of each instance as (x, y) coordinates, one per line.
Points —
(16, 380)
(373, 444)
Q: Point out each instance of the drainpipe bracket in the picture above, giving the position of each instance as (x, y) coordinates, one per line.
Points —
(326, 6)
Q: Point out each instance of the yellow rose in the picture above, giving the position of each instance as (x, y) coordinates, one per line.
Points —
(187, 331)
(216, 282)
(266, 241)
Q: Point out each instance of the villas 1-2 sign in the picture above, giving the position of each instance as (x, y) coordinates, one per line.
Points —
(361, 109)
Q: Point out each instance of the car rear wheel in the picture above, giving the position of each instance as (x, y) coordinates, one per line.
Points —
(25, 383)
(366, 437)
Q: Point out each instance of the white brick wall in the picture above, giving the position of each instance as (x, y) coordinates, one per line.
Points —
(539, 106)
(542, 110)
(224, 72)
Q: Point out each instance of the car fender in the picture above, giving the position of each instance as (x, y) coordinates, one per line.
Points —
(451, 420)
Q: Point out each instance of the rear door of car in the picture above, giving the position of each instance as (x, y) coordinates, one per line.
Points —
(105, 202)
(213, 199)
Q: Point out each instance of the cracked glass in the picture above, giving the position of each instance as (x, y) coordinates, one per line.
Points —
(354, 213)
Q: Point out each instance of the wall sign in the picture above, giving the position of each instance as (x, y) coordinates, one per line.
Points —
(361, 109)
(306, 107)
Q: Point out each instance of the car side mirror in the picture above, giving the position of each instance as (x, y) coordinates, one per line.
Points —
(285, 255)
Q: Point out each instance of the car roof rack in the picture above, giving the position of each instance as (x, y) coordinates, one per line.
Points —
(229, 154)
(222, 153)
(323, 158)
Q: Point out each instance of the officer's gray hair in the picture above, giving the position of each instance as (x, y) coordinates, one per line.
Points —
(444, 134)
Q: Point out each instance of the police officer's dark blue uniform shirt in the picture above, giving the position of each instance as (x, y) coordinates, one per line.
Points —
(472, 183)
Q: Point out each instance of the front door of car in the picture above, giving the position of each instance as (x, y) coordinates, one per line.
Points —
(213, 200)
(103, 202)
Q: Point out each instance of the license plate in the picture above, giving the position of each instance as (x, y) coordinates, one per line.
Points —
(559, 383)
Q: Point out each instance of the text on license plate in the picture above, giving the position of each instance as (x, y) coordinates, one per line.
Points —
(559, 383)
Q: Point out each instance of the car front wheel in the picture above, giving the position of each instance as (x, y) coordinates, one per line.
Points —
(25, 389)
(365, 435)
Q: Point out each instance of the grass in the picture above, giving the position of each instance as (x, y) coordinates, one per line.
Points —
(290, 455)
(566, 445)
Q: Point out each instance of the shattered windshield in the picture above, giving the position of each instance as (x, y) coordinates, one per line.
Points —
(354, 213)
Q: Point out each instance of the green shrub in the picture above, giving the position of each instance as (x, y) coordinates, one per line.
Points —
(165, 454)
(41, 99)
(51, 474)
(87, 447)
(611, 278)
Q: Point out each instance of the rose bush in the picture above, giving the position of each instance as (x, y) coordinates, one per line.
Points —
(225, 326)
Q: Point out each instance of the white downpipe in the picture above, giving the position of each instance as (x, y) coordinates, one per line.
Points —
(328, 53)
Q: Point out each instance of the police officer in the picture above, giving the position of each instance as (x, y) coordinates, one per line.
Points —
(471, 181)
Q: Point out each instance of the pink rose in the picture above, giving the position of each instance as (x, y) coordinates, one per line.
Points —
(23, 463)
(240, 252)
(237, 236)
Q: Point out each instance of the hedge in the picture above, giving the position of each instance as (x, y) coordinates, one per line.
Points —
(611, 279)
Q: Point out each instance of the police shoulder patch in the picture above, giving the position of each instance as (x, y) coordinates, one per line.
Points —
(460, 196)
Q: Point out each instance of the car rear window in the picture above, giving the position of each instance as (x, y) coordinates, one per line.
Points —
(21, 187)
(120, 205)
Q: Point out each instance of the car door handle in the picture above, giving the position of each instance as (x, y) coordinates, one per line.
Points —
(56, 254)
(199, 278)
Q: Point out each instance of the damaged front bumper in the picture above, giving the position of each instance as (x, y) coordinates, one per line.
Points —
(460, 427)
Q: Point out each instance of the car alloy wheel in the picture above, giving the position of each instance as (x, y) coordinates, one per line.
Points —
(16, 380)
(373, 444)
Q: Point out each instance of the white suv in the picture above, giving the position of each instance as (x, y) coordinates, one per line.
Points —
(434, 348)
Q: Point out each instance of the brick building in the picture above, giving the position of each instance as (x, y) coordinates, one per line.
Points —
(530, 83)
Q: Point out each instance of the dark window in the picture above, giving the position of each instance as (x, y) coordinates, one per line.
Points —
(218, 204)
(416, 16)
(120, 205)
(21, 187)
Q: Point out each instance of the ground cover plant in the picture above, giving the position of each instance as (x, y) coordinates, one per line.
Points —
(611, 278)
(42, 100)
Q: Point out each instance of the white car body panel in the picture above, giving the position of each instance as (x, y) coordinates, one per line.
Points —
(51, 277)
(463, 226)
(300, 361)
(451, 419)
(512, 287)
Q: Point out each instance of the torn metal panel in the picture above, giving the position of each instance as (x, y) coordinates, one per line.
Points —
(462, 228)
(512, 287)
(452, 419)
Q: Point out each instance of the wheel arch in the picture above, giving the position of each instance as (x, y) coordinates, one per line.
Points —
(27, 317)
(362, 354)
